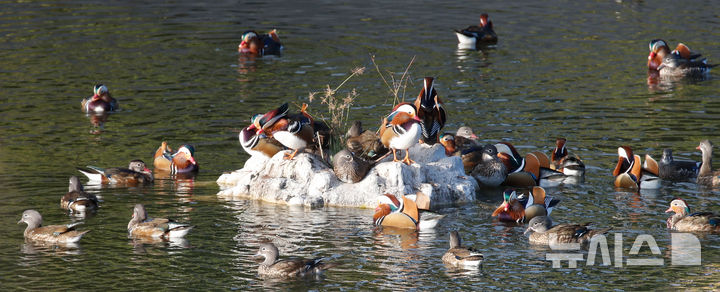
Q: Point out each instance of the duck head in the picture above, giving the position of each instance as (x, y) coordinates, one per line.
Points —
(448, 141)
(667, 156)
(560, 152)
(269, 251)
(138, 166)
(539, 224)
(250, 43)
(75, 185)
(466, 132)
(485, 21)
(188, 152)
(455, 239)
(32, 218)
(658, 50)
(508, 196)
(267, 120)
(678, 206)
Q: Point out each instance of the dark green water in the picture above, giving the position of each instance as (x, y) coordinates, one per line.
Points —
(562, 68)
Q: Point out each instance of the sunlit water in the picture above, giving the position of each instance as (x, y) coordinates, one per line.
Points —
(574, 69)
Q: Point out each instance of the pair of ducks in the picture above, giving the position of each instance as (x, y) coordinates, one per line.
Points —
(680, 62)
(140, 226)
(272, 266)
(630, 173)
(180, 162)
(493, 165)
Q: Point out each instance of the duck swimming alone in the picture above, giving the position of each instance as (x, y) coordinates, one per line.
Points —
(51, 233)
(100, 102)
(260, 44)
(707, 176)
(140, 226)
(76, 199)
(684, 221)
(542, 232)
(287, 268)
(459, 255)
(136, 173)
(476, 35)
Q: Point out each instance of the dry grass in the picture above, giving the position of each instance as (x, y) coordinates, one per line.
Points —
(397, 87)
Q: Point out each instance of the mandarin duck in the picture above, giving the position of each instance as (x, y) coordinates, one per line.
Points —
(365, 144)
(681, 62)
(288, 268)
(545, 234)
(629, 172)
(430, 111)
(259, 45)
(100, 102)
(459, 255)
(707, 176)
(405, 213)
(670, 169)
(181, 161)
(51, 233)
(522, 208)
(448, 142)
(77, 199)
(401, 130)
(136, 173)
(489, 171)
(532, 170)
(266, 121)
(465, 138)
(562, 161)
(295, 132)
(350, 168)
(684, 221)
(258, 145)
(140, 226)
(477, 35)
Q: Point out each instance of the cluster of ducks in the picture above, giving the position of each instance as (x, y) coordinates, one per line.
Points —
(406, 125)
(78, 202)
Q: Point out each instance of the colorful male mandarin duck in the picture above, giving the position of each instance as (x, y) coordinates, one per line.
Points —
(522, 208)
(348, 167)
(562, 161)
(51, 233)
(295, 134)
(670, 169)
(288, 268)
(365, 144)
(679, 63)
(258, 145)
(401, 130)
(684, 221)
(526, 172)
(489, 171)
(100, 102)
(76, 199)
(136, 173)
(260, 45)
(395, 213)
(707, 176)
(448, 142)
(182, 161)
(459, 255)
(545, 234)
(430, 111)
(266, 121)
(476, 35)
(140, 226)
(629, 172)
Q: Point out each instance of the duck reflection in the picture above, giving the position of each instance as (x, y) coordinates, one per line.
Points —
(98, 121)
(405, 238)
(246, 64)
(465, 53)
(38, 247)
(183, 184)
(140, 244)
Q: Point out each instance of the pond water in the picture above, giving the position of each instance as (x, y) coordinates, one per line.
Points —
(573, 69)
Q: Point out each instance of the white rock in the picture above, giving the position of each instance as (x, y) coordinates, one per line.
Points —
(309, 181)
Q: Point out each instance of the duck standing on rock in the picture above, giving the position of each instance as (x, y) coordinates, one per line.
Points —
(430, 111)
(51, 233)
(350, 168)
(288, 268)
(401, 130)
(260, 44)
(100, 102)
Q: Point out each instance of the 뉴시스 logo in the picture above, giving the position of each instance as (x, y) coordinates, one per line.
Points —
(685, 251)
